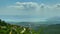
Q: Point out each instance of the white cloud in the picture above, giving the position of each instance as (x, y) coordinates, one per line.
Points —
(17, 7)
(35, 9)
(32, 5)
(25, 5)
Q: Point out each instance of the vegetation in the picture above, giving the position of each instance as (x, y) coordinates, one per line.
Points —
(6, 28)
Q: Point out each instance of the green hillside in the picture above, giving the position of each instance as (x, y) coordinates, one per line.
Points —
(6, 28)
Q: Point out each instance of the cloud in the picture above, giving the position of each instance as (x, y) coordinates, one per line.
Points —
(17, 7)
(33, 9)
(57, 6)
(25, 5)
(32, 6)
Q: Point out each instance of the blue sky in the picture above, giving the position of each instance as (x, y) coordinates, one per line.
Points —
(29, 10)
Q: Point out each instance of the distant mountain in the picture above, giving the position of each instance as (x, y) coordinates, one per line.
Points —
(53, 20)
(33, 25)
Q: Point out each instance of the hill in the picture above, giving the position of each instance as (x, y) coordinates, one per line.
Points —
(6, 28)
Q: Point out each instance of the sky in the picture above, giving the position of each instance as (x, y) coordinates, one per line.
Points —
(29, 10)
